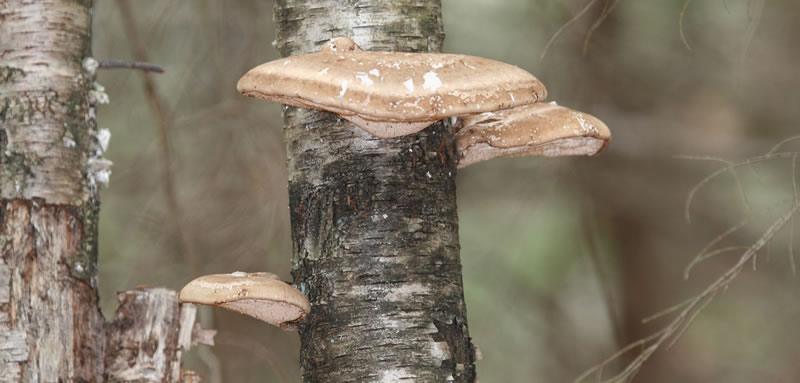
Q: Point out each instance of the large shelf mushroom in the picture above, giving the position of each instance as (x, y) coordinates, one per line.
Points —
(391, 94)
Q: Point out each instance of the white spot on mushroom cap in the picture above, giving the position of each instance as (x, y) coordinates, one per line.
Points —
(324, 71)
(432, 81)
(344, 89)
(364, 78)
(409, 84)
(375, 72)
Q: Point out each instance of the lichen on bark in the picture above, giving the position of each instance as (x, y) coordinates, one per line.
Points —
(374, 222)
(49, 311)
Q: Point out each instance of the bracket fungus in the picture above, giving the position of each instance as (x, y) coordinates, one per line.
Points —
(391, 94)
(541, 129)
(260, 295)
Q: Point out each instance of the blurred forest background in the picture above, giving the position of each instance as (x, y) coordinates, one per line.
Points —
(562, 257)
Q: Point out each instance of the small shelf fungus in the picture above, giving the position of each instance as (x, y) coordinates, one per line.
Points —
(541, 129)
(260, 295)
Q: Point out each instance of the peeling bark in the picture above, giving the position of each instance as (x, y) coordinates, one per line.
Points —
(374, 223)
(48, 318)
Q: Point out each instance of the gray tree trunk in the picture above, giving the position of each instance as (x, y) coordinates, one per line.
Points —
(374, 223)
(51, 166)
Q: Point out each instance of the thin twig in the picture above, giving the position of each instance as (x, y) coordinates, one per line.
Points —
(563, 27)
(666, 311)
(732, 169)
(159, 108)
(713, 243)
(783, 142)
(590, 239)
(753, 20)
(138, 65)
(733, 165)
(680, 24)
(702, 257)
(692, 307)
(597, 23)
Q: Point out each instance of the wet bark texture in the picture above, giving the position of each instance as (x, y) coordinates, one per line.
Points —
(51, 166)
(374, 223)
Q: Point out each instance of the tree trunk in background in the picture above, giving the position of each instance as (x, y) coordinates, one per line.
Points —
(49, 160)
(51, 166)
(374, 223)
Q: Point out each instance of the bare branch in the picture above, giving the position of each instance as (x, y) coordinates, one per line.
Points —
(138, 65)
(730, 167)
(691, 309)
(564, 27)
(607, 9)
(783, 142)
(702, 257)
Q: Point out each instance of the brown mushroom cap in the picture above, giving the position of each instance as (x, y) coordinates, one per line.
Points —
(260, 295)
(391, 94)
(542, 129)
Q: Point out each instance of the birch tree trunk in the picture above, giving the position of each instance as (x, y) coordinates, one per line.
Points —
(51, 166)
(374, 223)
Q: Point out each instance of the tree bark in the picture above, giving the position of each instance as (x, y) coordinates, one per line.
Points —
(51, 167)
(50, 161)
(147, 336)
(374, 223)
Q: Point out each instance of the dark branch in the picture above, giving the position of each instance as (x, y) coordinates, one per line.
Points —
(119, 64)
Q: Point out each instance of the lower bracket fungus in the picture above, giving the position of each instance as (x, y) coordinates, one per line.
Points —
(541, 129)
(260, 295)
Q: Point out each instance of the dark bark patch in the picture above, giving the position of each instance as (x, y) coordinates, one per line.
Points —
(463, 353)
(10, 73)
